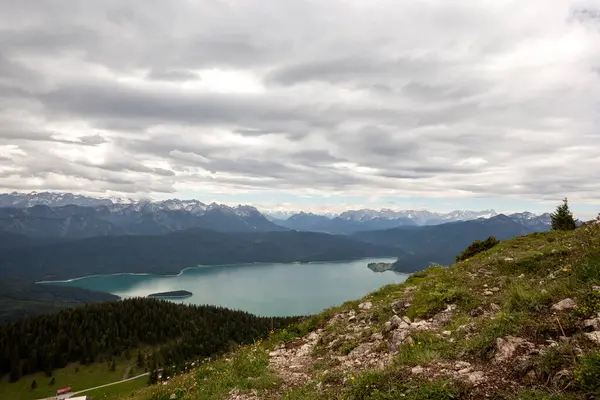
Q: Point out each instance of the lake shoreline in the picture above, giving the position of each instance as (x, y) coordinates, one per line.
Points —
(167, 275)
(264, 289)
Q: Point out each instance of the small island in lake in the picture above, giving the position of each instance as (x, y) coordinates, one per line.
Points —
(172, 294)
(381, 267)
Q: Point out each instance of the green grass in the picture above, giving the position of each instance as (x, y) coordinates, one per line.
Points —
(117, 390)
(396, 384)
(523, 296)
(425, 347)
(442, 287)
(484, 342)
(538, 395)
(246, 370)
(88, 376)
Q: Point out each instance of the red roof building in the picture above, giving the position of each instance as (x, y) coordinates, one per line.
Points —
(63, 390)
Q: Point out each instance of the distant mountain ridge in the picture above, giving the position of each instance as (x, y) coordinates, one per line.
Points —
(145, 218)
(418, 247)
(52, 199)
(351, 222)
(62, 218)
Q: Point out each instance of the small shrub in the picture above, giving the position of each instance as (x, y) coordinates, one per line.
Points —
(347, 347)
(589, 304)
(285, 336)
(477, 247)
(587, 373)
(333, 378)
(588, 272)
(552, 360)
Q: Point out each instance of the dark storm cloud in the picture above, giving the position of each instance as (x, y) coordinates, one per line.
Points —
(337, 97)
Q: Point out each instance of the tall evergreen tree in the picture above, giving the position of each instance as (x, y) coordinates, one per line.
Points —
(562, 218)
(15, 365)
(34, 384)
(140, 360)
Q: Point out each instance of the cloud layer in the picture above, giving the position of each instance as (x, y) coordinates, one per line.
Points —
(462, 99)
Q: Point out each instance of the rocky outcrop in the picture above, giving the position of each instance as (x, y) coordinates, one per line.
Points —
(509, 347)
(564, 305)
(293, 363)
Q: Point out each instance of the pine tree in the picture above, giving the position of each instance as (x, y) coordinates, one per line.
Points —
(34, 384)
(15, 365)
(113, 365)
(562, 219)
(140, 359)
(153, 376)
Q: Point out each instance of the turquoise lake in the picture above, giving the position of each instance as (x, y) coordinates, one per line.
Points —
(262, 289)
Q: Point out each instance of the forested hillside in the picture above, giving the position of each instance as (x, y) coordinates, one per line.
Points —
(168, 254)
(20, 299)
(101, 331)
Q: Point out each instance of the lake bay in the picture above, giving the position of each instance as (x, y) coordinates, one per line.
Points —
(266, 289)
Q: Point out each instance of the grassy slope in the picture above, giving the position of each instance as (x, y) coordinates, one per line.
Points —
(87, 376)
(527, 274)
(121, 388)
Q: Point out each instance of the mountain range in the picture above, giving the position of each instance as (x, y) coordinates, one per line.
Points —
(418, 247)
(370, 220)
(165, 236)
(44, 214)
(73, 221)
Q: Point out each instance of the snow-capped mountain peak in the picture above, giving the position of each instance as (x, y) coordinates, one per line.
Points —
(246, 211)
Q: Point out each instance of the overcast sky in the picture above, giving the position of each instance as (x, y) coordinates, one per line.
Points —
(305, 104)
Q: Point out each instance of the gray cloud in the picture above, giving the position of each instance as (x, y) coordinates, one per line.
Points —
(443, 99)
(172, 75)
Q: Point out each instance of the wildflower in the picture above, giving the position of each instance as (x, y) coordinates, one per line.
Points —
(412, 345)
(565, 269)
(352, 378)
(419, 343)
